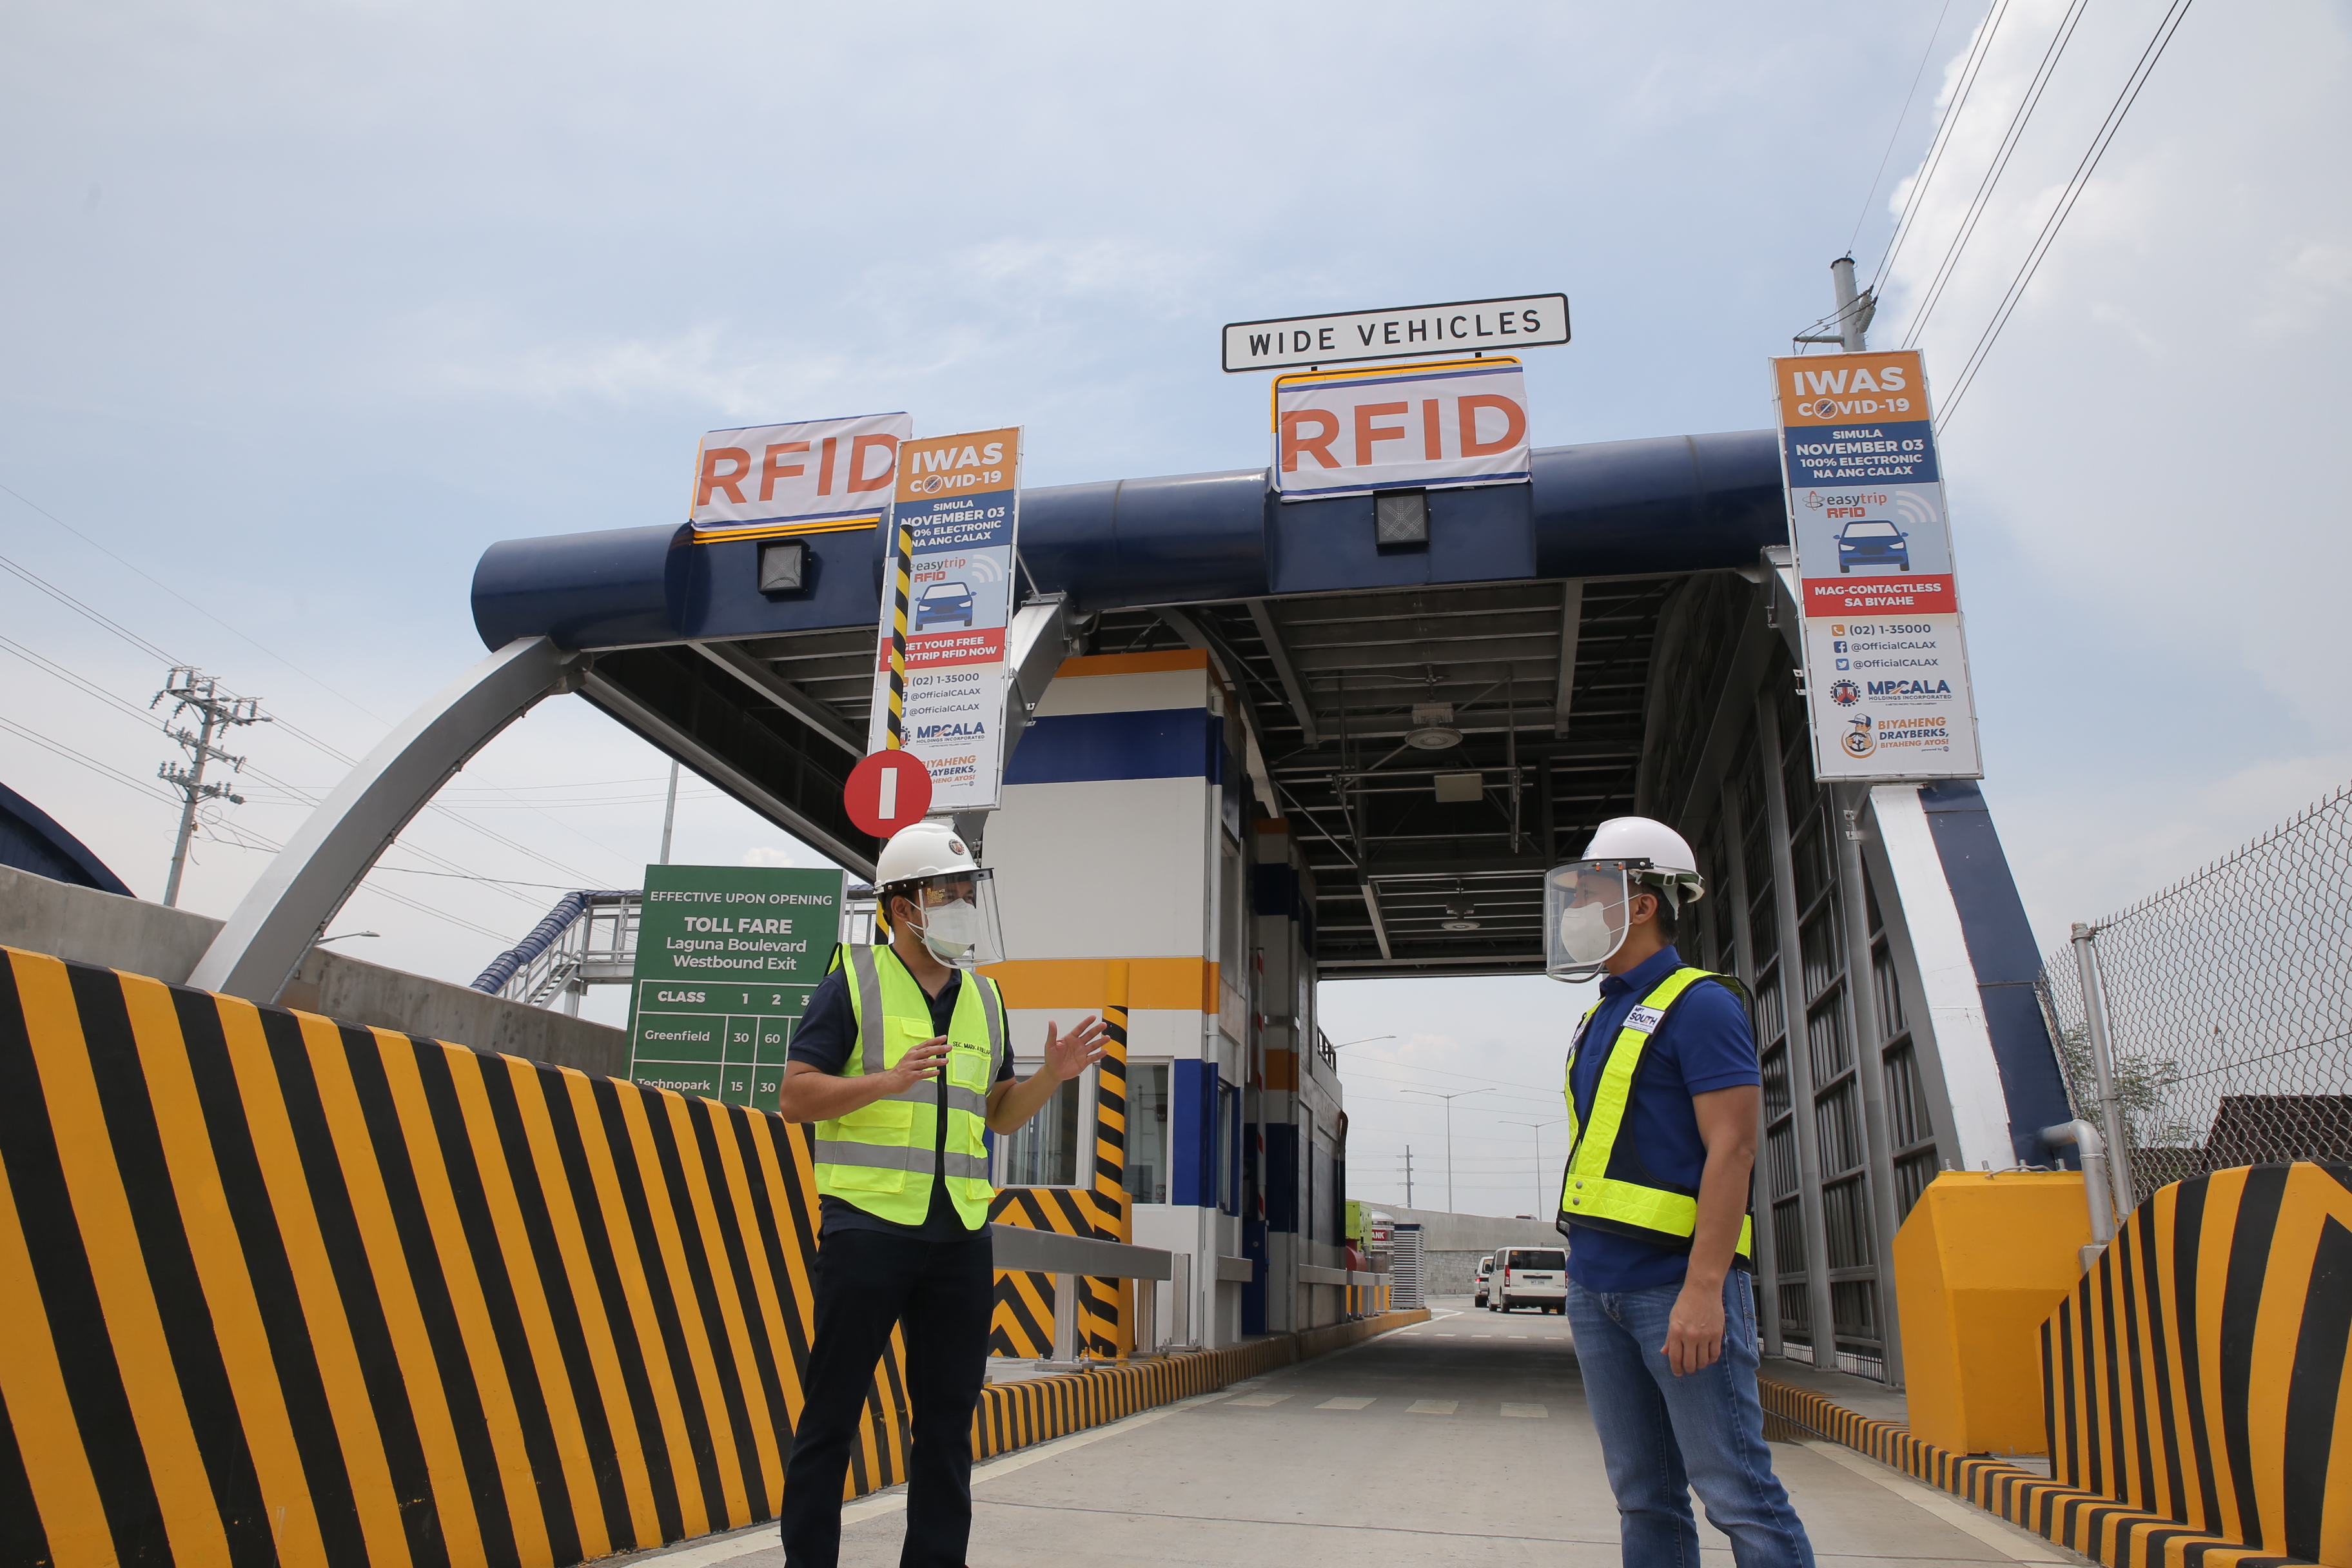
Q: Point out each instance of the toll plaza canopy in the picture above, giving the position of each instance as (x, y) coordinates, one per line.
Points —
(1576, 630)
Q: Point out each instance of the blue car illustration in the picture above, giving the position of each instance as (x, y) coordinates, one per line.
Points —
(1872, 545)
(943, 602)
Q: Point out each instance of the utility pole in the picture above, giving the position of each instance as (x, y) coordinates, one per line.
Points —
(1449, 1098)
(1854, 310)
(669, 811)
(1538, 1128)
(191, 689)
(1408, 1175)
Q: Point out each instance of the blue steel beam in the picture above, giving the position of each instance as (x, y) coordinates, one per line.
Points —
(1675, 503)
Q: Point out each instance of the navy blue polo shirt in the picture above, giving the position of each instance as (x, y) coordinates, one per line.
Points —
(827, 1032)
(1705, 1044)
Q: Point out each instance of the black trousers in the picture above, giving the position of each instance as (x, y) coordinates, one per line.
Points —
(944, 1293)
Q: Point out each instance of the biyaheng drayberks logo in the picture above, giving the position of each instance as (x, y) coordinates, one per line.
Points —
(1846, 694)
(1858, 741)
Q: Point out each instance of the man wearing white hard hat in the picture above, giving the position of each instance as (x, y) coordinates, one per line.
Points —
(902, 1059)
(1664, 1092)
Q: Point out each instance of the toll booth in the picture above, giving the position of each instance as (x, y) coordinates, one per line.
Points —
(1256, 745)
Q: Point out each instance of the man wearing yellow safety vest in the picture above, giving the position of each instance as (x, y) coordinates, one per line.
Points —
(901, 1056)
(1663, 1099)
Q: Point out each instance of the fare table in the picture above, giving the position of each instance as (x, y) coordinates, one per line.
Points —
(727, 956)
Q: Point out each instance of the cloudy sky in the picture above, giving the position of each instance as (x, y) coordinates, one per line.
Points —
(304, 306)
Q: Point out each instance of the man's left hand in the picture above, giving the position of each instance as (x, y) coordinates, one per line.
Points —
(1068, 1056)
(1695, 1331)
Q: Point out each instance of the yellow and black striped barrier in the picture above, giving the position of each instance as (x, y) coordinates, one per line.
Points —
(275, 1289)
(2193, 1381)
(1023, 1323)
(2197, 1374)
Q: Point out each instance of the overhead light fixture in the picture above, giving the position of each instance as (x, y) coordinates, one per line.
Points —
(1458, 917)
(1433, 727)
(1455, 788)
(783, 566)
(1400, 517)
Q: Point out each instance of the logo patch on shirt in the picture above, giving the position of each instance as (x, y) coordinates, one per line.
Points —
(1642, 1020)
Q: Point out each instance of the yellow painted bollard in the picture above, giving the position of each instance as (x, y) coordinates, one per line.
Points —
(1980, 1262)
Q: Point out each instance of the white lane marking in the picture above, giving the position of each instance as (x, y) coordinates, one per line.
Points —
(1431, 1407)
(1259, 1401)
(1347, 1403)
(1527, 1412)
(1960, 1516)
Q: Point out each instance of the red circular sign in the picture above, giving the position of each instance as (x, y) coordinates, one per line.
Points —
(887, 790)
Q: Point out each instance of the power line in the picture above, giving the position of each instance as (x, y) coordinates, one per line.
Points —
(2101, 140)
(2011, 136)
(1979, 49)
(143, 646)
(294, 793)
(262, 843)
(207, 614)
(1905, 113)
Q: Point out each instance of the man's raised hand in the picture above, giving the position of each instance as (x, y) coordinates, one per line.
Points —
(1068, 1056)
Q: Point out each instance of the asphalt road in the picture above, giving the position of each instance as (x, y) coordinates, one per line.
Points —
(1461, 1440)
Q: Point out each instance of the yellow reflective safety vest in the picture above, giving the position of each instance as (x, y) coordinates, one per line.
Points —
(1608, 1187)
(883, 1156)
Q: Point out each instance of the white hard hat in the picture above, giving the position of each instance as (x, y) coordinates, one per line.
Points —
(921, 850)
(1640, 838)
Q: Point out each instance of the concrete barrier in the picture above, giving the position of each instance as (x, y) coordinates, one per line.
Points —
(283, 1290)
(2194, 1386)
(139, 937)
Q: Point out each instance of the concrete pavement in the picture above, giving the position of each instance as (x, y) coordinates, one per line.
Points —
(1461, 1440)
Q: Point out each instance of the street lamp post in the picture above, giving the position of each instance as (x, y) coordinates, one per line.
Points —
(1539, 1126)
(1449, 1098)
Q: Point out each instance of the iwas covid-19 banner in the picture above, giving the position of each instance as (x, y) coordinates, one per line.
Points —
(1886, 665)
(957, 513)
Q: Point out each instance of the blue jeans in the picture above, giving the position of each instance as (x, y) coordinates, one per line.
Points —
(1663, 1436)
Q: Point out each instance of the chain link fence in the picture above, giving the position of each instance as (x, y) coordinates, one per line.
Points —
(2228, 1008)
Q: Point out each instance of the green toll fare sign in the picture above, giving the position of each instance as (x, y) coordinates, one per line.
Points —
(727, 956)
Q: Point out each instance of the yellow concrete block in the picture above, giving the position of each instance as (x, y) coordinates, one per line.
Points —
(1980, 1261)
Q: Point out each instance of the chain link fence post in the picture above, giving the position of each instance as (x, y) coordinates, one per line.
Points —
(2111, 1111)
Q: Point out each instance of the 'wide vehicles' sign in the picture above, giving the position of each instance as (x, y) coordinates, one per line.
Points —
(1459, 422)
(816, 471)
(1522, 321)
(1886, 670)
(957, 508)
(727, 956)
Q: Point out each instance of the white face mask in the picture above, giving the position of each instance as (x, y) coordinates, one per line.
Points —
(951, 930)
(1585, 933)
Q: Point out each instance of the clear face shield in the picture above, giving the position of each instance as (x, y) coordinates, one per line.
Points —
(958, 922)
(1588, 908)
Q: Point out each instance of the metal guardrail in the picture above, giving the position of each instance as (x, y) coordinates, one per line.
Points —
(1066, 1259)
(1051, 1252)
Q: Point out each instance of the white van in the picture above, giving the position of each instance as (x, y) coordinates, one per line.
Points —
(1529, 1277)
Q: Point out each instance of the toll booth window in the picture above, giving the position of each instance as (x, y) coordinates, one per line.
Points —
(1044, 1151)
(1146, 1132)
(1229, 1139)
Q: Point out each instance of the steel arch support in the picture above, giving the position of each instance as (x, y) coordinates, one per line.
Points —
(283, 913)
